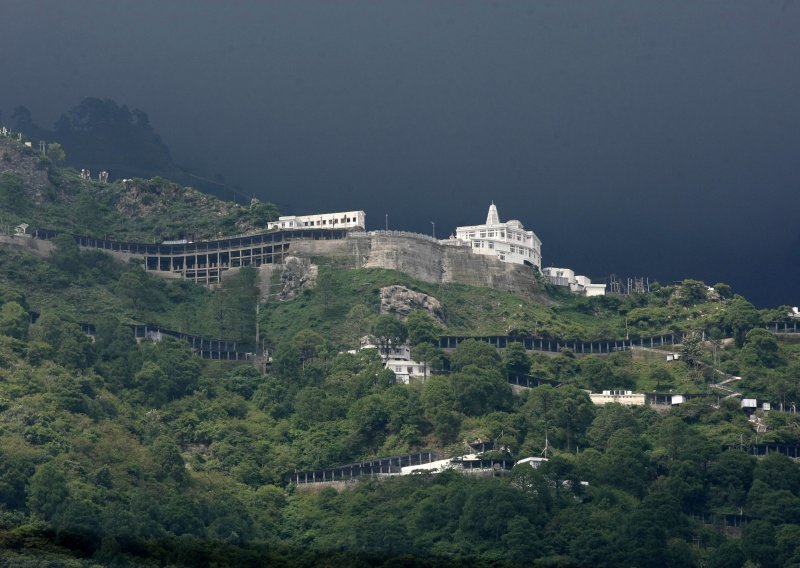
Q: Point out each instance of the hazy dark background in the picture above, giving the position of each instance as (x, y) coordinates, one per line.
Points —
(635, 137)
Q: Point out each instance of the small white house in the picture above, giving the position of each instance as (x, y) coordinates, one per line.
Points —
(397, 358)
(576, 283)
(404, 369)
(535, 462)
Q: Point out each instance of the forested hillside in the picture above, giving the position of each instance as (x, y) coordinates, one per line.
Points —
(118, 452)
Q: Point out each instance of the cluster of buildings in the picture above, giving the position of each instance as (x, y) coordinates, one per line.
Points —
(507, 241)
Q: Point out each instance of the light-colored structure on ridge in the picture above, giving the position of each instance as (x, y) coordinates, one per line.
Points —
(508, 241)
(622, 397)
(577, 284)
(341, 220)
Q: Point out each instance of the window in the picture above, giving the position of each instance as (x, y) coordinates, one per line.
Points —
(476, 244)
(491, 245)
(483, 234)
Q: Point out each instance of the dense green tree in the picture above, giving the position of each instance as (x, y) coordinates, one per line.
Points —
(691, 351)
(388, 331)
(308, 344)
(778, 472)
(478, 391)
(56, 153)
(515, 360)
(741, 317)
(153, 384)
(761, 349)
(13, 197)
(66, 254)
(610, 419)
(421, 328)
(564, 366)
(13, 320)
(133, 287)
(598, 374)
(175, 356)
(431, 356)
(71, 348)
(692, 292)
(476, 353)
(724, 290)
(16, 469)
(47, 491)
(439, 405)
(730, 477)
(758, 544)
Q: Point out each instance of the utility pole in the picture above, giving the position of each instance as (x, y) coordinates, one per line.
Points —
(387, 221)
(433, 230)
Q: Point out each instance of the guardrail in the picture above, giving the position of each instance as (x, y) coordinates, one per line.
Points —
(550, 345)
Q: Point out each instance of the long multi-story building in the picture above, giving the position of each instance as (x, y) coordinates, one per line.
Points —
(344, 220)
(508, 241)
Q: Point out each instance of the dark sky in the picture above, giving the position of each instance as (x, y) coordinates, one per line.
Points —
(635, 137)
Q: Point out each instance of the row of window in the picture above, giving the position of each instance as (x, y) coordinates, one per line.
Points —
(325, 222)
(494, 234)
(513, 249)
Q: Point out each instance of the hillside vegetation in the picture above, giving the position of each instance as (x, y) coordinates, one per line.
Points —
(118, 453)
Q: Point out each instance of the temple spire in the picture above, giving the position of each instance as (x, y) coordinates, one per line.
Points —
(492, 218)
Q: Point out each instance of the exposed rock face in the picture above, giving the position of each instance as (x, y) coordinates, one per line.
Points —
(402, 301)
(297, 274)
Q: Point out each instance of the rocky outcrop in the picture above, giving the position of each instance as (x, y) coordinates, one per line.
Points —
(297, 274)
(402, 301)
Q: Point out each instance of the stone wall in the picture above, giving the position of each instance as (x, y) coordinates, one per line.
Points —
(420, 258)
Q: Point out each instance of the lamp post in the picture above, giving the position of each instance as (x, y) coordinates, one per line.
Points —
(433, 229)
(387, 221)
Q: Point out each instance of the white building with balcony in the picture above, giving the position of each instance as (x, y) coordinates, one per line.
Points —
(508, 241)
(397, 358)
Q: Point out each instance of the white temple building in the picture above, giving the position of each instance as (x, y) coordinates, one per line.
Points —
(508, 241)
